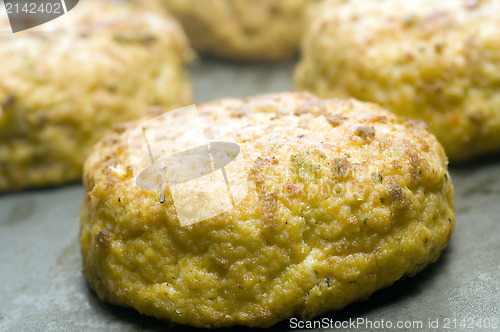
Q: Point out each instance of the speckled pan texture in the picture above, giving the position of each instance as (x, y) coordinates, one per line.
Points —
(341, 199)
(434, 60)
(64, 84)
(247, 30)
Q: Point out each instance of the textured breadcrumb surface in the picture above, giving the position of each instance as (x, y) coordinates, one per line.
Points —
(437, 61)
(342, 199)
(64, 85)
(247, 30)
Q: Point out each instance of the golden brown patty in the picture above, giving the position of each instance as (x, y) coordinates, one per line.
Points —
(438, 61)
(342, 199)
(63, 86)
(248, 30)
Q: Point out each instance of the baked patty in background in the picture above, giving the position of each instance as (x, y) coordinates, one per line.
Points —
(64, 85)
(246, 30)
(437, 61)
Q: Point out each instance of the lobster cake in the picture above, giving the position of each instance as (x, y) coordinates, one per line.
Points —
(332, 200)
(65, 83)
(245, 30)
(432, 60)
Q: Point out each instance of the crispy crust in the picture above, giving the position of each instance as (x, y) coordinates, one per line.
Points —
(436, 61)
(247, 30)
(343, 199)
(63, 87)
